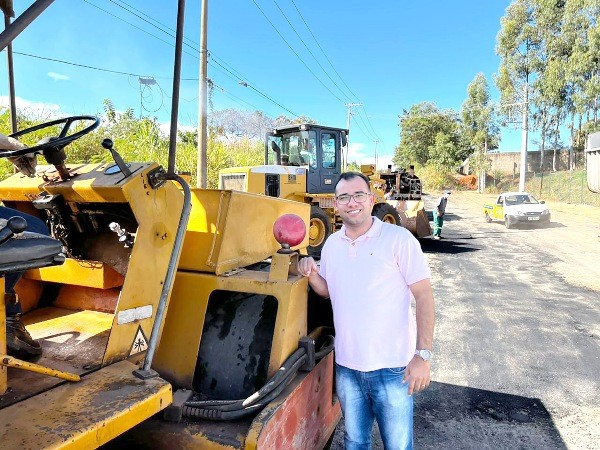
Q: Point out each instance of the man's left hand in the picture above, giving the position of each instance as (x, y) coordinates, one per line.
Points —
(417, 375)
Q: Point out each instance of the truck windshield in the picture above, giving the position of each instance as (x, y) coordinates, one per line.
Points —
(520, 199)
(297, 148)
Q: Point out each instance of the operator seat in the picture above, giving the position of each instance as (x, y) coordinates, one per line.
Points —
(23, 250)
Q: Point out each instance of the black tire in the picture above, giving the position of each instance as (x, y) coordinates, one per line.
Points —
(508, 222)
(318, 231)
(488, 219)
(386, 213)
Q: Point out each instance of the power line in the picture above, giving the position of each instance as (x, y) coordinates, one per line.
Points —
(306, 46)
(295, 53)
(134, 11)
(322, 51)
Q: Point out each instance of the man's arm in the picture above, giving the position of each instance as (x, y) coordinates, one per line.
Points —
(307, 267)
(418, 371)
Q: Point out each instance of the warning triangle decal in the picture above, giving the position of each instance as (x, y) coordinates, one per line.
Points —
(140, 343)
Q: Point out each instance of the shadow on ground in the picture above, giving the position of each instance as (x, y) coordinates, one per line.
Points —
(449, 417)
(447, 245)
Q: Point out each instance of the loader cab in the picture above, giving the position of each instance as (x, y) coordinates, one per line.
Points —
(314, 148)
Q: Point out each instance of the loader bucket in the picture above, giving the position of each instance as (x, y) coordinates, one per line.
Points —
(413, 217)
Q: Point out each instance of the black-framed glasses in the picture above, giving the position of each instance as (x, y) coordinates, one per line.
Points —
(359, 197)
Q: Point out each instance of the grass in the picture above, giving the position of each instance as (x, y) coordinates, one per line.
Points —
(563, 186)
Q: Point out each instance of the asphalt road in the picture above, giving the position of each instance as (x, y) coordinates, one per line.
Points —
(517, 360)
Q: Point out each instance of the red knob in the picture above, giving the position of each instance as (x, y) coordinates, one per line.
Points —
(289, 229)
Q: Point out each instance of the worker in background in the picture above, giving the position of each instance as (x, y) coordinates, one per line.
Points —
(382, 354)
(19, 342)
(438, 215)
(411, 173)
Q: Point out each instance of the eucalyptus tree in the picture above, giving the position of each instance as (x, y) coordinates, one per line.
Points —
(517, 44)
(581, 30)
(480, 129)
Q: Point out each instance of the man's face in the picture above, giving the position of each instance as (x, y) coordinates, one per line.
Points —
(354, 214)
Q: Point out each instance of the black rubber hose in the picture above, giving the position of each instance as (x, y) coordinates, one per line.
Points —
(282, 374)
(216, 414)
(326, 348)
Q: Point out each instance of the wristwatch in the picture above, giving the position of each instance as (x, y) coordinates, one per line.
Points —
(424, 354)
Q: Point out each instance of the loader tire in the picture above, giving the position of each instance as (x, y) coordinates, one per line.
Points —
(318, 231)
(386, 213)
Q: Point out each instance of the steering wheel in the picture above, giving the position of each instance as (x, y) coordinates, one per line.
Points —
(52, 143)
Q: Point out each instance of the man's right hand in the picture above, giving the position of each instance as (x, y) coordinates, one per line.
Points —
(307, 267)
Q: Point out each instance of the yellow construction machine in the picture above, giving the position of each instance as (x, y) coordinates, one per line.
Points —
(168, 317)
(303, 163)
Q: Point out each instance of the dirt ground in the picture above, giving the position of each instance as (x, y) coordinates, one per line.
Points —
(516, 350)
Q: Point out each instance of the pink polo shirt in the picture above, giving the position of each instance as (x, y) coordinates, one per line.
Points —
(368, 281)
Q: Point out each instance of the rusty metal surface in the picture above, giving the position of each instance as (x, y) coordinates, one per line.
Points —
(84, 415)
(72, 341)
(303, 417)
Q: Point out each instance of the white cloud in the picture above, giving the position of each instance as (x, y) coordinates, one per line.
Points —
(57, 76)
(38, 109)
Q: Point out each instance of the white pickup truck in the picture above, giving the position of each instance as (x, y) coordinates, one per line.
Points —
(517, 207)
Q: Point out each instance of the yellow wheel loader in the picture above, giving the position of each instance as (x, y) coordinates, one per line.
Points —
(168, 317)
(303, 163)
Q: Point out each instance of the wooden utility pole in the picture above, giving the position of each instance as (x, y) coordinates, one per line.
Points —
(201, 168)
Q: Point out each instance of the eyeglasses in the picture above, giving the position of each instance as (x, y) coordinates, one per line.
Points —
(359, 197)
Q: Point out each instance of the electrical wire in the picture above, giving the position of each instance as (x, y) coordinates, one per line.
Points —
(296, 53)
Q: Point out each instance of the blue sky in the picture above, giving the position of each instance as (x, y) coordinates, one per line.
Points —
(387, 55)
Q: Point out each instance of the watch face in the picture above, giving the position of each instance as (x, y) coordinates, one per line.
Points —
(425, 354)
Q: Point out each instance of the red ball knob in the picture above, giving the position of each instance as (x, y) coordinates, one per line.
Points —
(289, 229)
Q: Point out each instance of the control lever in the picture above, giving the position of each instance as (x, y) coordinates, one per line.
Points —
(14, 225)
(124, 236)
(108, 145)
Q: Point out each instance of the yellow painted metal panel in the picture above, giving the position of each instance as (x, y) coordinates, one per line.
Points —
(157, 212)
(84, 415)
(89, 184)
(79, 272)
(185, 319)
(231, 229)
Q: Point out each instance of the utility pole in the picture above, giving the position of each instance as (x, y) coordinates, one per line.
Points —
(349, 106)
(201, 167)
(524, 136)
(376, 141)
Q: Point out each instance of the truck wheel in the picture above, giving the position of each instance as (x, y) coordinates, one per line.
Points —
(508, 222)
(318, 231)
(488, 219)
(386, 213)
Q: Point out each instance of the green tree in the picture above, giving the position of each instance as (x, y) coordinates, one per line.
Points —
(480, 130)
(429, 135)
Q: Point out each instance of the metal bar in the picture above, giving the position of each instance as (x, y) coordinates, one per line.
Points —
(15, 363)
(176, 83)
(11, 81)
(172, 269)
(22, 22)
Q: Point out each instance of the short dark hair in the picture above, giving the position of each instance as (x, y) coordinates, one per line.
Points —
(346, 176)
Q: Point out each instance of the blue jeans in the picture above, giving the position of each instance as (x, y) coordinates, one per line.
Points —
(377, 395)
(34, 225)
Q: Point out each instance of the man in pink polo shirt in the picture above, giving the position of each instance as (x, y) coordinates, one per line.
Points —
(370, 269)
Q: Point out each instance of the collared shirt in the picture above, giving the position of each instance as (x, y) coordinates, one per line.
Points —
(368, 281)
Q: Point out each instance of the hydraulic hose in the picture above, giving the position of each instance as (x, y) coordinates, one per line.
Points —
(236, 409)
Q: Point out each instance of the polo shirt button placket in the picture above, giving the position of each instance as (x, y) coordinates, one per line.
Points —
(353, 250)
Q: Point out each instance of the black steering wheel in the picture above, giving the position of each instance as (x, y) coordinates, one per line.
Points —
(52, 143)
